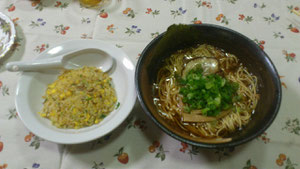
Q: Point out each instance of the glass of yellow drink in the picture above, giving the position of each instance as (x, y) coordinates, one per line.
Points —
(90, 3)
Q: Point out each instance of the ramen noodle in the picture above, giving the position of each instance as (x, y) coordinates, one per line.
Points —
(206, 92)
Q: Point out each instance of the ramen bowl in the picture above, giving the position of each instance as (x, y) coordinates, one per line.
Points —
(249, 54)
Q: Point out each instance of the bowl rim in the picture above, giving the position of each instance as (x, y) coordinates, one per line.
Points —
(200, 144)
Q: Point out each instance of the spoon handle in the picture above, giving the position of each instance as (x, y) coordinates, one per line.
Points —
(34, 65)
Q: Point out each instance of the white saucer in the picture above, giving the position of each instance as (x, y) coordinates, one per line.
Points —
(7, 34)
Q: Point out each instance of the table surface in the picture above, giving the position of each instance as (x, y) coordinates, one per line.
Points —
(131, 25)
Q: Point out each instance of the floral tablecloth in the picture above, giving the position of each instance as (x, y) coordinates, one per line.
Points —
(131, 24)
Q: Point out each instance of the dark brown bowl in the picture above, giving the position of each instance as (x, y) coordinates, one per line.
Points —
(249, 53)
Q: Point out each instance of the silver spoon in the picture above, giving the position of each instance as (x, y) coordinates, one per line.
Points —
(71, 60)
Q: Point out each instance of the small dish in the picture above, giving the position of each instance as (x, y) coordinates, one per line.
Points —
(7, 34)
(32, 85)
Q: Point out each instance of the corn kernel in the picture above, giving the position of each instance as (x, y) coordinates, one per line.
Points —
(68, 93)
(105, 80)
(43, 114)
(75, 110)
(48, 91)
(53, 91)
(87, 117)
(96, 121)
(52, 85)
(52, 114)
(77, 81)
(62, 95)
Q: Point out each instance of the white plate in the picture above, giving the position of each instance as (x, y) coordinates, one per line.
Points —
(7, 34)
(32, 85)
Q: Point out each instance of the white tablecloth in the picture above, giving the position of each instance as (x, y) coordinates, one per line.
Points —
(131, 25)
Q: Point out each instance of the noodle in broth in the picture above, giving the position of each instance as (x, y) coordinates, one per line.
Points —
(168, 99)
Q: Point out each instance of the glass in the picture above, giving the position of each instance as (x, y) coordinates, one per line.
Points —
(90, 3)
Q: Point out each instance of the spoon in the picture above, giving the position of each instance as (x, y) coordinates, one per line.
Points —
(70, 60)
